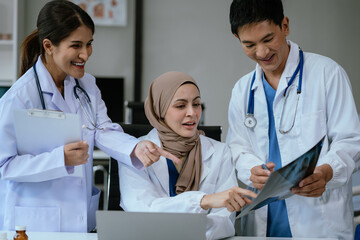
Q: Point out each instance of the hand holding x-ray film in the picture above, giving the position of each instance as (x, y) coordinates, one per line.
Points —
(280, 182)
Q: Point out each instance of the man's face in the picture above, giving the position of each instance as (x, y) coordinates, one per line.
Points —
(265, 43)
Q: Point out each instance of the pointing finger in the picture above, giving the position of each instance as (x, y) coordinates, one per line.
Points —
(168, 155)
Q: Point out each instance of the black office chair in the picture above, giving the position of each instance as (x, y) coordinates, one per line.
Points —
(135, 113)
(138, 130)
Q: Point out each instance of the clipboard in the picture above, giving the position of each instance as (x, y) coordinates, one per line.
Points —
(38, 131)
(279, 183)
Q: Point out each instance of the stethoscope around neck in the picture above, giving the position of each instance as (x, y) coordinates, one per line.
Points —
(89, 114)
(250, 120)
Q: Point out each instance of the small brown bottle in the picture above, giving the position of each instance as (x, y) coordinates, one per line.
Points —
(20, 233)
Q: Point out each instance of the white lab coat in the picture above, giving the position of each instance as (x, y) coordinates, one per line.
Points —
(148, 190)
(326, 108)
(40, 191)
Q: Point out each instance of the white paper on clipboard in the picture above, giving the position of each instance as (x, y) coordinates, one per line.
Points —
(38, 131)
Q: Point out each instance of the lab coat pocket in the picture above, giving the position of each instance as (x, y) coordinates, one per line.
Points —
(334, 199)
(313, 127)
(38, 219)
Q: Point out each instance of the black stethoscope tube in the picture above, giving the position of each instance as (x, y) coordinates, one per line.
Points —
(92, 120)
(39, 88)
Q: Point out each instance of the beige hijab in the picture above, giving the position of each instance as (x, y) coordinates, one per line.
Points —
(161, 92)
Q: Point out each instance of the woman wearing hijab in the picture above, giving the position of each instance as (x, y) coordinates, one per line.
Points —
(204, 181)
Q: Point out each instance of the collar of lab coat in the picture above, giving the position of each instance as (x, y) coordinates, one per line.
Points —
(290, 66)
(48, 87)
(161, 169)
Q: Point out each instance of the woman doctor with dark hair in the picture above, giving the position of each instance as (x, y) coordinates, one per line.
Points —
(41, 190)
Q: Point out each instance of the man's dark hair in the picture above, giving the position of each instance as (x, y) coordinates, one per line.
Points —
(243, 12)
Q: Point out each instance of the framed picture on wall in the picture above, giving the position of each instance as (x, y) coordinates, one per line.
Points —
(105, 12)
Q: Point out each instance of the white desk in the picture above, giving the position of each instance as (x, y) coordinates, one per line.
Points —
(56, 236)
(268, 238)
(93, 236)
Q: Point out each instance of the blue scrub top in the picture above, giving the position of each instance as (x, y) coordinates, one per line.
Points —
(173, 177)
(277, 220)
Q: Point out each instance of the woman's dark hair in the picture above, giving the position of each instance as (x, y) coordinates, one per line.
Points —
(243, 12)
(56, 21)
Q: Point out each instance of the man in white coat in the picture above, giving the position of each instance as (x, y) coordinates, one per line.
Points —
(282, 109)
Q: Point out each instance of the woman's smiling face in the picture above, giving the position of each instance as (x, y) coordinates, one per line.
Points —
(70, 56)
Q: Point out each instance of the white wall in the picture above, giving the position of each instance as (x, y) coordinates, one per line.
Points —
(194, 36)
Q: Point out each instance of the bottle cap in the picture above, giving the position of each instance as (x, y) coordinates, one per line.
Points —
(20, 228)
(3, 236)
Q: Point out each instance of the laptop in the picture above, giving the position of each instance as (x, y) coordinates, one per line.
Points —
(115, 225)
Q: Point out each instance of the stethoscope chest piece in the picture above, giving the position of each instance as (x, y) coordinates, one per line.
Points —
(250, 121)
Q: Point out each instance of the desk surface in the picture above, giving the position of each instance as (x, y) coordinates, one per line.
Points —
(93, 236)
(268, 238)
(56, 236)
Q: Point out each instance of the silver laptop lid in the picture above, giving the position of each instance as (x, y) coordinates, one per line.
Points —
(116, 225)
